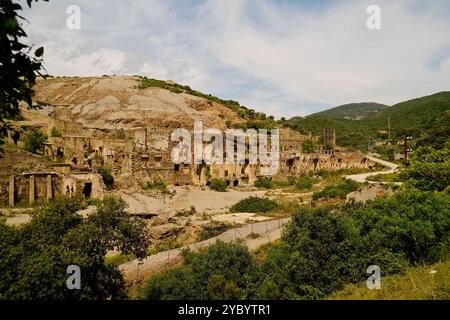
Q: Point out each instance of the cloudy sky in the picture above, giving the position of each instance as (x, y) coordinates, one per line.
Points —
(284, 58)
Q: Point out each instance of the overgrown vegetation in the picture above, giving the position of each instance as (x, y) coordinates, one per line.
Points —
(34, 141)
(305, 182)
(107, 177)
(324, 249)
(263, 182)
(186, 213)
(55, 132)
(337, 190)
(308, 146)
(386, 177)
(219, 185)
(34, 257)
(430, 169)
(157, 183)
(20, 65)
(254, 205)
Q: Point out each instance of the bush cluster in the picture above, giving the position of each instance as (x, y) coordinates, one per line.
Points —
(337, 191)
(157, 183)
(219, 185)
(263, 182)
(305, 182)
(108, 178)
(254, 205)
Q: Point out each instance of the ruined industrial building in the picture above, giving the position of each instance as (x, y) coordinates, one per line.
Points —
(111, 122)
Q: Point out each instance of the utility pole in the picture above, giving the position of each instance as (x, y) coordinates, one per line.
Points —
(406, 150)
(389, 128)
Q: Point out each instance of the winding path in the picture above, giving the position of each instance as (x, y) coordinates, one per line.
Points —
(361, 177)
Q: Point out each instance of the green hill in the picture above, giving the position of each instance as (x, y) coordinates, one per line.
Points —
(354, 111)
(410, 118)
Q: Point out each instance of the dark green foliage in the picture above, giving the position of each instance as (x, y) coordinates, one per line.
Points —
(254, 205)
(108, 178)
(429, 170)
(411, 222)
(34, 258)
(18, 67)
(34, 141)
(409, 118)
(337, 191)
(263, 182)
(413, 117)
(437, 133)
(354, 111)
(55, 132)
(308, 146)
(219, 185)
(305, 182)
(221, 272)
(319, 248)
(349, 133)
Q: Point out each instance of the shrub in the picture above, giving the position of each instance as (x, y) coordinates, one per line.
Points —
(337, 191)
(108, 179)
(186, 213)
(34, 257)
(254, 205)
(221, 272)
(219, 185)
(263, 182)
(55, 132)
(34, 141)
(308, 146)
(157, 183)
(412, 222)
(304, 182)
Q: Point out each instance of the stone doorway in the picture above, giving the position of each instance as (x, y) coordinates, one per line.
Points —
(87, 189)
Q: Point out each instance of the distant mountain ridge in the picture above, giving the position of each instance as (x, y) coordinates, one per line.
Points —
(354, 111)
(409, 118)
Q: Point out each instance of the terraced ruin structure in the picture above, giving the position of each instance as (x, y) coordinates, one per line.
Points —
(119, 124)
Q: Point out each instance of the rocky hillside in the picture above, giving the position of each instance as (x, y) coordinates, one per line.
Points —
(121, 102)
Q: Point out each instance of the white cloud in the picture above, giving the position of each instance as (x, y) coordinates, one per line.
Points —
(282, 58)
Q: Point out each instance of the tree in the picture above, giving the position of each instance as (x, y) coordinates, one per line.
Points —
(18, 67)
(429, 169)
(34, 141)
(308, 146)
(34, 258)
(221, 272)
(108, 178)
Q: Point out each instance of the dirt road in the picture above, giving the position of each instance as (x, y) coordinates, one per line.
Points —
(361, 177)
(267, 231)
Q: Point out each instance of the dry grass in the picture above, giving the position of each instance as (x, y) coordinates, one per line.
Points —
(420, 283)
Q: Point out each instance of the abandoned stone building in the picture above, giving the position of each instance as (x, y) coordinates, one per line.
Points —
(140, 154)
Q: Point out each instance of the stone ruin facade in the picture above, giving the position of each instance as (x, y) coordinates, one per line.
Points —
(141, 154)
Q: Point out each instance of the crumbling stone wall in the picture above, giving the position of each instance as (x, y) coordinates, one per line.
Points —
(143, 153)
